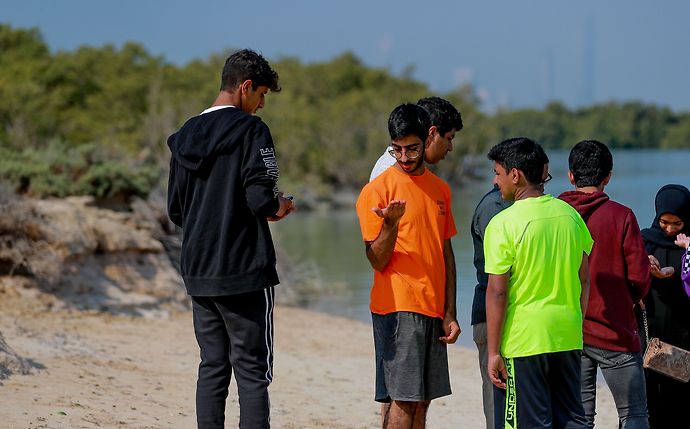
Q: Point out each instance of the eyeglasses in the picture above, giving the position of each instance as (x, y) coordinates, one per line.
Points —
(548, 178)
(398, 153)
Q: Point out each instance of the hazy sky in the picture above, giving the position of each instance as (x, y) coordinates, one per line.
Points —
(519, 53)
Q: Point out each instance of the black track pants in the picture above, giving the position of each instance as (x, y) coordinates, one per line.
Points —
(543, 392)
(234, 332)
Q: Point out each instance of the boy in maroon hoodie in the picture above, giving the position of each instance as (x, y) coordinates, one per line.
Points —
(619, 277)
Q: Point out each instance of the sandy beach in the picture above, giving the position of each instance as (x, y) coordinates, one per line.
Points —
(98, 370)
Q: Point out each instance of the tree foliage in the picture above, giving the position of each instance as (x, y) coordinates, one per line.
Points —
(95, 120)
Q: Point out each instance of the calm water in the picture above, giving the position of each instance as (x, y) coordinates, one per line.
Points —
(331, 241)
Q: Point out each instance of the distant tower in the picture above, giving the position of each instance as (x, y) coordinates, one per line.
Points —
(547, 78)
(587, 96)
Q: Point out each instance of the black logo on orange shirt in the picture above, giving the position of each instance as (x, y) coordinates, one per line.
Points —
(441, 207)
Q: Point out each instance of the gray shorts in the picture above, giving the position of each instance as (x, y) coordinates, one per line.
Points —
(411, 361)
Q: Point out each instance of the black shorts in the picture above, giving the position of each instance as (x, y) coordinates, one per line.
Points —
(543, 391)
(411, 361)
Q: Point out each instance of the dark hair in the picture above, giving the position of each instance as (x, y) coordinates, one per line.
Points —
(590, 162)
(408, 119)
(522, 153)
(443, 114)
(247, 64)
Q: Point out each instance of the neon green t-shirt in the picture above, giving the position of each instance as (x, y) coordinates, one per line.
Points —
(540, 242)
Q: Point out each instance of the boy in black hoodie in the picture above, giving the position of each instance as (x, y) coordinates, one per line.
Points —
(222, 192)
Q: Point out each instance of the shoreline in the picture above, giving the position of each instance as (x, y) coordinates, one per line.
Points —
(114, 371)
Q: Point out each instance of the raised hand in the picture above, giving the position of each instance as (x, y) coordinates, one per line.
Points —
(392, 213)
(285, 207)
(657, 271)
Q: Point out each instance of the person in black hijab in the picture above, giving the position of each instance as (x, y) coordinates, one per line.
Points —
(668, 307)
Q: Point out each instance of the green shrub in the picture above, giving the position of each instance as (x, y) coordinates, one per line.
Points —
(59, 170)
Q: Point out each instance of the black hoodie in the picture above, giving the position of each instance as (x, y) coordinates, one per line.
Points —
(222, 187)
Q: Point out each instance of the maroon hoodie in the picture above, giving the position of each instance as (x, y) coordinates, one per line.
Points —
(618, 271)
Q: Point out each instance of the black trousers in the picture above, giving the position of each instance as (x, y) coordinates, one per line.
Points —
(543, 393)
(234, 332)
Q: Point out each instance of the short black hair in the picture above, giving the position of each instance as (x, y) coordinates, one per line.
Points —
(591, 162)
(408, 119)
(442, 113)
(247, 64)
(522, 153)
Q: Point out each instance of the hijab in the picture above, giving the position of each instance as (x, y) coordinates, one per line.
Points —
(673, 199)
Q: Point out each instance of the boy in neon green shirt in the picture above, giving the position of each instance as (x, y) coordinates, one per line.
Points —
(535, 254)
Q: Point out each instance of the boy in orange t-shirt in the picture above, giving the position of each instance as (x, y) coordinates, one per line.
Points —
(406, 222)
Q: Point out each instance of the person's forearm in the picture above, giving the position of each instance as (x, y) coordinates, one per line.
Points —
(451, 281)
(636, 261)
(380, 251)
(584, 298)
(496, 302)
(584, 282)
(639, 286)
(173, 203)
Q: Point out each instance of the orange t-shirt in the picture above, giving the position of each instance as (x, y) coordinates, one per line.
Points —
(415, 278)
